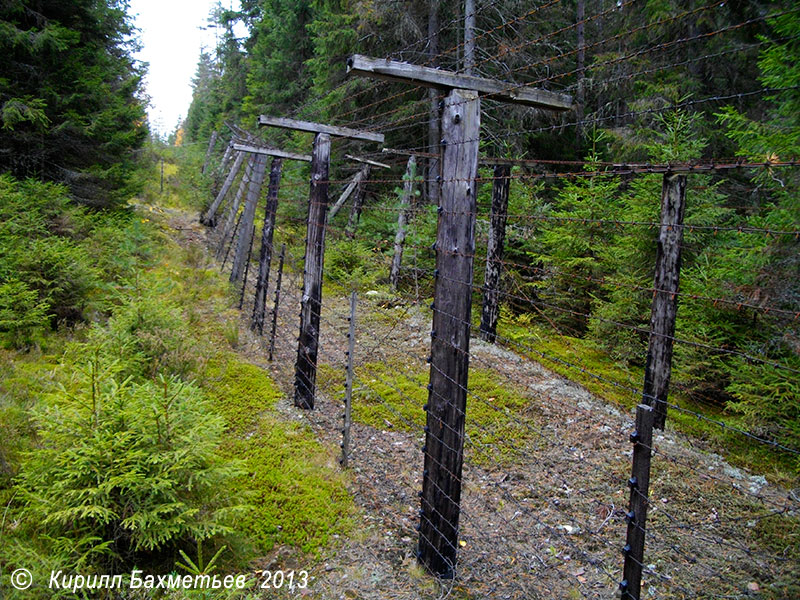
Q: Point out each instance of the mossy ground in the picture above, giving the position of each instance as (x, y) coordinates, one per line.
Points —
(499, 416)
(581, 361)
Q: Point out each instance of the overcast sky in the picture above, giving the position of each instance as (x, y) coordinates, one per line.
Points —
(172, 40)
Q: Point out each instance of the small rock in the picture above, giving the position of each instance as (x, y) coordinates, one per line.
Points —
(753, 586)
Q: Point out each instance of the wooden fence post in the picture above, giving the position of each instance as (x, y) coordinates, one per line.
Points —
(277, 302)
(209, 151)
(490, 311)
(447, 397)
(233, 209)
(265, 256)
(355, 207)
(209, 217)
(348, 388)
(642, 439)
(400, 236)
(353, 185)
(248, 216)
(311, 303)
(658, 367)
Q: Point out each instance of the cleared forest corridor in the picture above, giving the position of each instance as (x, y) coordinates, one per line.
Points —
(474, 300)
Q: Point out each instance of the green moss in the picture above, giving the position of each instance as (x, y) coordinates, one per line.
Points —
(241, 391)
(499, 419)
(298, 497)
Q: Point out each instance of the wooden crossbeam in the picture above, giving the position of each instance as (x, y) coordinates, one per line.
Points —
(271, 152)
(367, 161)
(333, 130)
(392, 70)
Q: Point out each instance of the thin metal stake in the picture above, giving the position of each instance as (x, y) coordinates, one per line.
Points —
(642, 439)
(277, 300)
(348, 395)
(247, 268)
(230, 242)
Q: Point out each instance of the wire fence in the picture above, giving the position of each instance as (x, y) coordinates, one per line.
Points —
(489, 438)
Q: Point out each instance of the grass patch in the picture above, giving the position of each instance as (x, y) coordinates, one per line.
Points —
(499, 421)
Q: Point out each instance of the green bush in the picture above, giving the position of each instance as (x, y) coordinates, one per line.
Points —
(153, 333)
(22, 315)
(133, 466)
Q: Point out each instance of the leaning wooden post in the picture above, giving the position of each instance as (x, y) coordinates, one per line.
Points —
(277, 302)
(223, 166)
(400, 236)
(353, 185)
(265, 256)
(490, 311)
(233, 209)
(211, 143)
(209, 217)
(311, 303)
(348, 388)
(355, 207)
(248, 216)
(642, 439)
(658, 367)
(447, 398)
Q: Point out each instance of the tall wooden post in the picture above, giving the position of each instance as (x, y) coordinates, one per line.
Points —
(248, 216)
(642, 439)
(311, 303)
(209, 151)
(433, 173)
(658, 367)
(494, 253)
(469, 36)
(400, 236)
(455, 245)
(209, 217)
(579, 30)
(447, 399)
(265, 256)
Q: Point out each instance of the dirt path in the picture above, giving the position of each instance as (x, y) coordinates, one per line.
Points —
(543, 510)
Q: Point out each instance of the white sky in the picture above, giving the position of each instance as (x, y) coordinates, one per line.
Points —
(172, 39)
